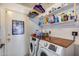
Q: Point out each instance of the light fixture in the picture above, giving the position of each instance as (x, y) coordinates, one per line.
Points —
(9, 12)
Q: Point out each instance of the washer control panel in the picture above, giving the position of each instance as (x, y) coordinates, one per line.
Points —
(52, 47)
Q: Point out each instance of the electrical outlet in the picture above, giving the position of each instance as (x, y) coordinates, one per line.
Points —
(74, 33)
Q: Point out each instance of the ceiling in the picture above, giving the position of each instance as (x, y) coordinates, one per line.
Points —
(30, 5)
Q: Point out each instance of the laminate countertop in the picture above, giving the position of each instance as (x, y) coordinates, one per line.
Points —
(58, 41)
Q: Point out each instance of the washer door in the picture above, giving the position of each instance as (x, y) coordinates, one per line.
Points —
(31, 49)
(45, 52)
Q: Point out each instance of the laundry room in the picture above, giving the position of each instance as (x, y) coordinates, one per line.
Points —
(39, 29)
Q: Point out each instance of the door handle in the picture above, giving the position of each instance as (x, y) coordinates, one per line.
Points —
(8, 39)
(9, 34)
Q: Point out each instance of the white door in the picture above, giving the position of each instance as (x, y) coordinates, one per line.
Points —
(0, 26)
(1, 35)
(15, 41)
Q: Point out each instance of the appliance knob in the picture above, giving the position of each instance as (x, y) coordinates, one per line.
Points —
(45, 44)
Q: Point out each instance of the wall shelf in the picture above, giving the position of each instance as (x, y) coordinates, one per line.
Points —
(65, 24)
(65, 8)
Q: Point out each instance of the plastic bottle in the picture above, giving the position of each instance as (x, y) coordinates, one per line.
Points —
(56, 19)
(59, 18)
(65, 17)
(52, 17)
(46, 19)
(41, 21)
(62, 17)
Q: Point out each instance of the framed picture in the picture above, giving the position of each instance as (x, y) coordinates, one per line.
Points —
(17, 27)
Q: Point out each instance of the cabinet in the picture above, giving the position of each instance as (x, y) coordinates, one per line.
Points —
(76, 48)
(1, 51)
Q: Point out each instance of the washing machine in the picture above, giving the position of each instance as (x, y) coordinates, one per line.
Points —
(33, 46)
(50, 49)
(45, 49)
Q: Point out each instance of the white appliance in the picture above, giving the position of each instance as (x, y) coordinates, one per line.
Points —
(44, 49)
(33, 46)
(50, 49)
(76, 47)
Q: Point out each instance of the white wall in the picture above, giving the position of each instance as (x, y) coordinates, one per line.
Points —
(16, 7)
(64, 33)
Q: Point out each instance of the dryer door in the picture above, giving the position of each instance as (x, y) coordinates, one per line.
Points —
(45, 52)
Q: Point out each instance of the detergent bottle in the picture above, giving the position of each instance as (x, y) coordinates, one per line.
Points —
(65, 17)
(59, 17)
(46, 20)
(49, 18)
(41, 21)
(62, 17)
(56, 19)
(52, 17)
